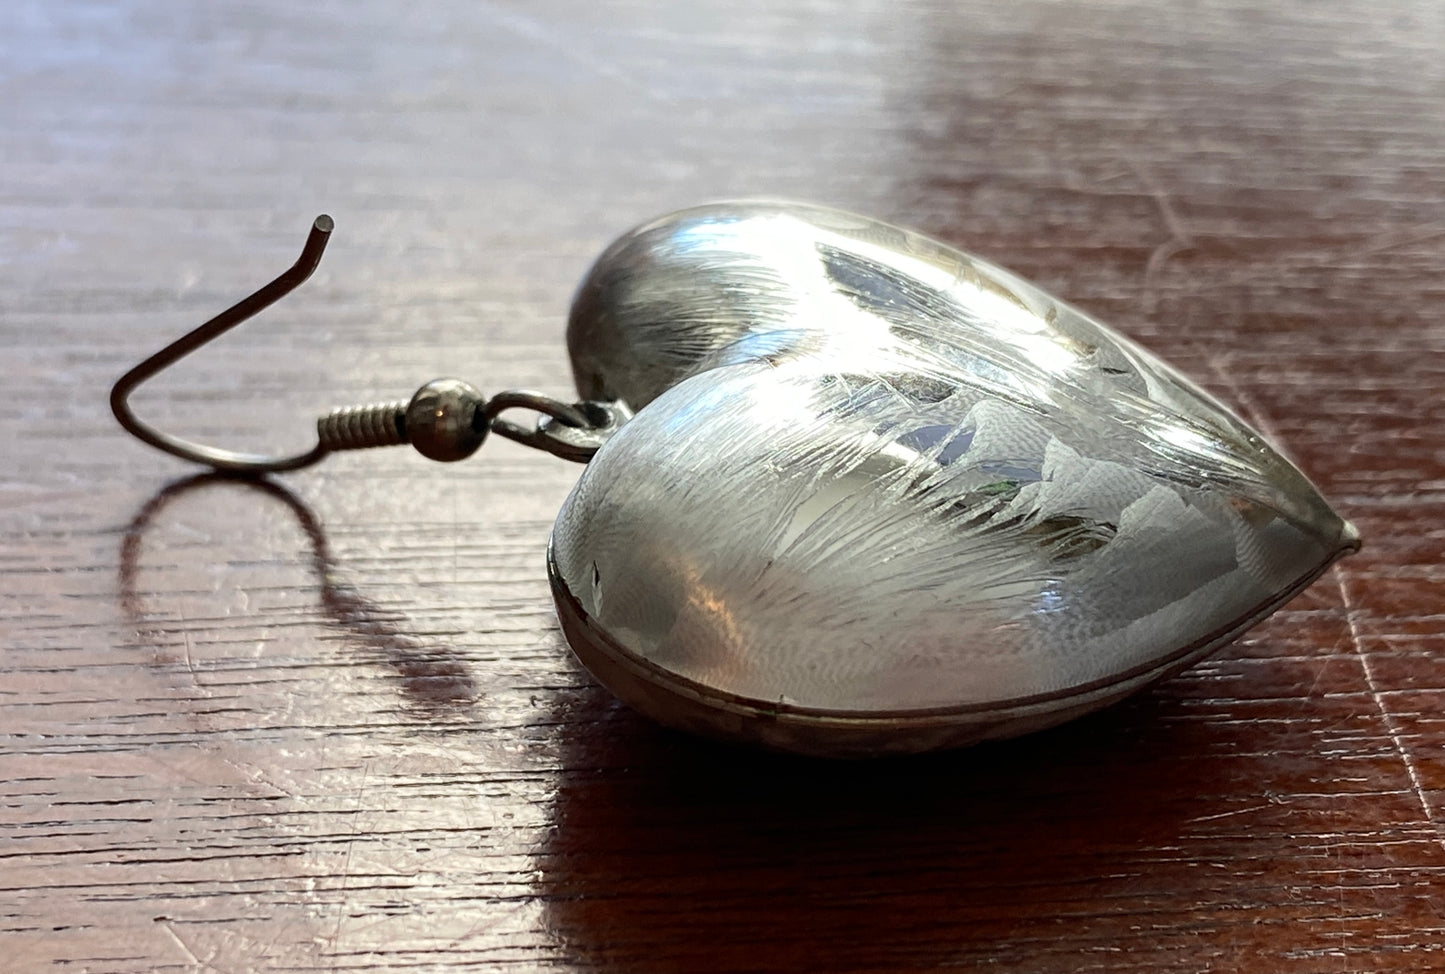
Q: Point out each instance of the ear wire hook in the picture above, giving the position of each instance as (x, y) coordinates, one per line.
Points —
(446, 420)
(247, 307)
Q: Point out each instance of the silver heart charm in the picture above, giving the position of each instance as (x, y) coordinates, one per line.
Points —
(878, 496)
(881, 496)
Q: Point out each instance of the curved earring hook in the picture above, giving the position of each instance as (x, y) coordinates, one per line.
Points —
(247, 307)
(446, 419)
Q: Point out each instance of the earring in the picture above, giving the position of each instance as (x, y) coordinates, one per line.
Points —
(877, 496)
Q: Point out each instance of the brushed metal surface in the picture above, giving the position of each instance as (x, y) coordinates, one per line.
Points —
(873, 475)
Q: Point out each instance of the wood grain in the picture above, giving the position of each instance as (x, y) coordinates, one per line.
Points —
(330, 724)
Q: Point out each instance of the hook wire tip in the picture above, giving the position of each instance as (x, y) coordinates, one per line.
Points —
(324, 224)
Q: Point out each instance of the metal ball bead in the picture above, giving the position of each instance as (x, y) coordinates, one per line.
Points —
(442, 420)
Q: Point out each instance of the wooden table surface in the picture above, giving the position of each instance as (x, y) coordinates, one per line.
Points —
(329, 723)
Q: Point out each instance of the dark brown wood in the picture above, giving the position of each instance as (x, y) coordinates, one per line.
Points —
(332, 725)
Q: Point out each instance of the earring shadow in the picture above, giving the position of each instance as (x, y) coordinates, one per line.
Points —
(432, 679)
(669, 853)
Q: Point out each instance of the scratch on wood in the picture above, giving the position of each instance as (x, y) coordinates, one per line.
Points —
(165, 924)
(1392, 725)
(1180, 239)
(1228, 814)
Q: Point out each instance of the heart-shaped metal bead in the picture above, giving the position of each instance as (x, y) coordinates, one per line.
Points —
(882, 496)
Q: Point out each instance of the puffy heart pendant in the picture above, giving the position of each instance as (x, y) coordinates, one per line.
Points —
(878, 496)
(881, 496)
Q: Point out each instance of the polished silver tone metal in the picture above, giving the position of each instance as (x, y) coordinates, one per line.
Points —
(882, 496)
(446, 420)
(574, 433)
(362, 427)
(442, 420)
(879, 496)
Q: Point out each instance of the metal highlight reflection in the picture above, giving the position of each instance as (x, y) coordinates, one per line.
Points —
(928, 502)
